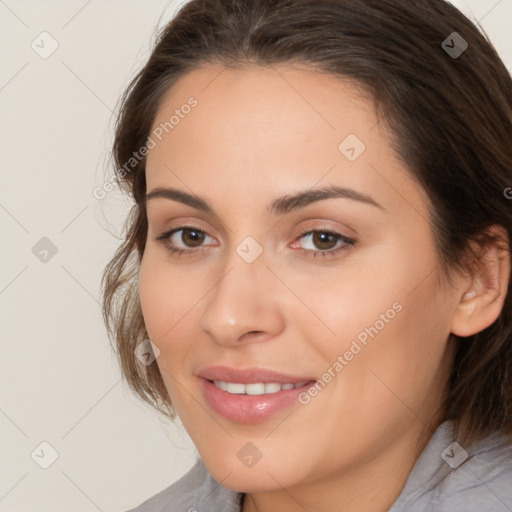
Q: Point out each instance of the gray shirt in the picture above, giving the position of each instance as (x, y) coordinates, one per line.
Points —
(445, 478)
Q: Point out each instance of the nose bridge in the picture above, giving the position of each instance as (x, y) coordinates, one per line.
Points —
(240, 302)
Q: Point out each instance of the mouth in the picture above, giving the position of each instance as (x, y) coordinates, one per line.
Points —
(253, 395)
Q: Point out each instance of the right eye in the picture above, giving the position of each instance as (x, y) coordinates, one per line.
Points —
(185, 239)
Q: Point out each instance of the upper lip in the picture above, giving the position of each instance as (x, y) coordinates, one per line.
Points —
(250, 375)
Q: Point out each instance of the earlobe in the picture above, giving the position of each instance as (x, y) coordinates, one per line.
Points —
(482, 301)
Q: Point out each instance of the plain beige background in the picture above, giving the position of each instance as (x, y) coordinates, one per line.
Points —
(59, 382)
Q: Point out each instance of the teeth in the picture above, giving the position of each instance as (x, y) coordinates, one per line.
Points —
(257, 388)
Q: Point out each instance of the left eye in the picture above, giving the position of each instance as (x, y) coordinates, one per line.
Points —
(320, 240)
(324, 241)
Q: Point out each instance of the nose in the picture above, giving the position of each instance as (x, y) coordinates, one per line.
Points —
(243, 306)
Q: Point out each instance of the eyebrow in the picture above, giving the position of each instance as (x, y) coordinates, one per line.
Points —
(280, 206)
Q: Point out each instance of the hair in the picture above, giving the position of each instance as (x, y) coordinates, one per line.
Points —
(450, 121)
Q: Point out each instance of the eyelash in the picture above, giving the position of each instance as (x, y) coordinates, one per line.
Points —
(348, 242)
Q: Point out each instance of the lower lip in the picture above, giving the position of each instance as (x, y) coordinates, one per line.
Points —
(250, 409)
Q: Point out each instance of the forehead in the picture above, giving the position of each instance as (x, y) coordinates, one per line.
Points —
(263, 102)
(279, 127)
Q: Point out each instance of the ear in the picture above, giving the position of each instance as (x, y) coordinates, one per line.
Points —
(483, 294)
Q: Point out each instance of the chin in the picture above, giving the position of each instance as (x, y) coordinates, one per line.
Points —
(259, 478)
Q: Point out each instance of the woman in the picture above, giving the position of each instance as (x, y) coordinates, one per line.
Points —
(319, 252)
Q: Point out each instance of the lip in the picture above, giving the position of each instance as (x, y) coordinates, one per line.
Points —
(250, 409)
(250, 375)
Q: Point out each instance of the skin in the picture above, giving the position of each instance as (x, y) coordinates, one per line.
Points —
(258, 134)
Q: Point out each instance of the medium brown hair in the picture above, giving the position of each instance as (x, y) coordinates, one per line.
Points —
(451, 122)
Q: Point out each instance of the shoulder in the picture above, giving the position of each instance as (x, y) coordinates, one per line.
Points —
(448, 477)
(193, 492)
(483, 480)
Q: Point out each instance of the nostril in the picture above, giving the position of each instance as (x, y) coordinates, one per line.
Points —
(252, 334)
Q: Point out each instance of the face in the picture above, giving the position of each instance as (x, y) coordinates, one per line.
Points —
(308, 254)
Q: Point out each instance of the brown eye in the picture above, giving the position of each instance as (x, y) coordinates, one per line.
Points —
(192, 237)
(185, 239)
(324, 241)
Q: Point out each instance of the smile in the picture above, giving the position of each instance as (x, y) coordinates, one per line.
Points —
(256, 388)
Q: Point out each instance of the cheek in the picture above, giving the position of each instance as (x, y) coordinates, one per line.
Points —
(165, 298)
(171, 298)
(347, 303)
(389, 326)
(166, 307)
(402, 365)
(152, 300)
